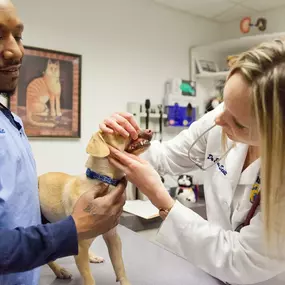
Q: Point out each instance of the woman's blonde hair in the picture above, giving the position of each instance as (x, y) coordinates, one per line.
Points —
(263, 67)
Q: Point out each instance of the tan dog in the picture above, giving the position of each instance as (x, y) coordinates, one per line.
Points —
(58, 193)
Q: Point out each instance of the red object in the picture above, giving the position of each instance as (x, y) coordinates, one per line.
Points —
(245, 25)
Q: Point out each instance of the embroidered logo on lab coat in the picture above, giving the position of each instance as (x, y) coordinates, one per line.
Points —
(220, 166)
(254, 190)
(2, 131)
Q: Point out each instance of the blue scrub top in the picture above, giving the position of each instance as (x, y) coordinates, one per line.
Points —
(19, 202)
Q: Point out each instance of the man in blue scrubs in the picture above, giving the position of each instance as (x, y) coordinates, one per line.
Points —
(26, 244)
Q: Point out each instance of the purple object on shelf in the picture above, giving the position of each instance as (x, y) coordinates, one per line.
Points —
(180, 116)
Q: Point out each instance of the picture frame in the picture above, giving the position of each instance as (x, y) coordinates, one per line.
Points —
(48, 96)
(206, 66)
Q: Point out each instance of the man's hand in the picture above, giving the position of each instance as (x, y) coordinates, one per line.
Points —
(94, 216)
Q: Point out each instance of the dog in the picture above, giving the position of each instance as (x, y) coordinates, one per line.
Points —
(58, 193)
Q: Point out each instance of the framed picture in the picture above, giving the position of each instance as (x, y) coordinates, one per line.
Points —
(206, 66)
(48, 96)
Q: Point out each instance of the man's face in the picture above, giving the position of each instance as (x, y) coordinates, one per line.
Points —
(11, 47)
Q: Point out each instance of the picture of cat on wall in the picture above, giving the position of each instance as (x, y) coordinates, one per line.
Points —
(43, 90)
(48, 94)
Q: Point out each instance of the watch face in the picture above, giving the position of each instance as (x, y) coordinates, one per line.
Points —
(245, 25)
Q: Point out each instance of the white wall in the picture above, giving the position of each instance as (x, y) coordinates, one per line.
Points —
(129, 48)
(275, 23)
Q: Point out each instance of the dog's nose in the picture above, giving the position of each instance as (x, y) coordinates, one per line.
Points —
(148, 132)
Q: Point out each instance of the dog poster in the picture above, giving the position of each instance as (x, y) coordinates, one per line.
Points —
(48, 95)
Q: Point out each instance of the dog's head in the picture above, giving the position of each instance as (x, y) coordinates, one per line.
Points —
(98, 144)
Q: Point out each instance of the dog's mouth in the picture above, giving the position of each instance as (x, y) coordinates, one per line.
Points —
(141, 143)
(137, 145)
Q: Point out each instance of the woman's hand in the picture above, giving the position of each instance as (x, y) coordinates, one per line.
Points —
(143, 175)
(122, 123)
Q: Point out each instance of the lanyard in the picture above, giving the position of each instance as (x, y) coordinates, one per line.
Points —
(255, 199)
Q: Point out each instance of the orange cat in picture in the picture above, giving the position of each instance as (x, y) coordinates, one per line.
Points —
(42, 90)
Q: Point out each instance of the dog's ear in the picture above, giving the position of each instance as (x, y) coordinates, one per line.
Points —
(97, 146)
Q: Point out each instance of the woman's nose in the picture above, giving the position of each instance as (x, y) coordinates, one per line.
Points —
(220, 120)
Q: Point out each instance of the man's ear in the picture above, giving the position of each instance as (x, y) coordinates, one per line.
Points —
(97, 146)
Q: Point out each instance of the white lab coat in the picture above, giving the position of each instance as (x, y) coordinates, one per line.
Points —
(212, 244)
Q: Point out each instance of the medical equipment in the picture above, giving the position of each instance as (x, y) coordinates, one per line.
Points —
(212, 159)
(153, 118)
(160, 121)
(147, 106)
(253, 207)
(181, 116)
(179, 101)
(250, 214)
(199, 161)
(178, 86)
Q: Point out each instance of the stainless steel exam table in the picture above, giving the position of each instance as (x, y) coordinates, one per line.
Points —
(146, 264)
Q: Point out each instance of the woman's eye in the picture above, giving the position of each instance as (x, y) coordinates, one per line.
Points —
(18, 39)
(239, 126)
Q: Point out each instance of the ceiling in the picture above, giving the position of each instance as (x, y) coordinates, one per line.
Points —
(223, 10)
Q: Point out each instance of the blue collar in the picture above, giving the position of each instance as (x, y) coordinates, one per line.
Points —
(106, 179)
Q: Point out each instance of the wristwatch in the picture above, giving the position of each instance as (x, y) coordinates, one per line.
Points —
(164, 212)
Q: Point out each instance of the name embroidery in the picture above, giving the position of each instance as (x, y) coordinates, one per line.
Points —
(2, 131)
(220, 166)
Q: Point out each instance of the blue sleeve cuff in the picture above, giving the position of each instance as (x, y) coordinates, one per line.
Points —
(64, 238)
(23, 249)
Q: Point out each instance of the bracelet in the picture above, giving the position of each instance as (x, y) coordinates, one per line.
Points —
(164, 212)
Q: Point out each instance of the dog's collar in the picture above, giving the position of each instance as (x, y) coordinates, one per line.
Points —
(106, 179)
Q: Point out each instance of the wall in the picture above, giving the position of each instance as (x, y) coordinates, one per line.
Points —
(129, 48)
(275, 23)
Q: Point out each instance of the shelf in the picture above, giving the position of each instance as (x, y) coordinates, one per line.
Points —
(213, 75)
(238, 44)
(143, 115)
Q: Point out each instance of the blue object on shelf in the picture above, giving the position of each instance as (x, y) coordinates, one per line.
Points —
(180, 116)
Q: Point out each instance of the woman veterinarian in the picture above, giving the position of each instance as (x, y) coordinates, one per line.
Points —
(240, 146)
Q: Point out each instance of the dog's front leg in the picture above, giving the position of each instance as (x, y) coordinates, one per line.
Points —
(114, 245)
(59, 271)
(82, 262)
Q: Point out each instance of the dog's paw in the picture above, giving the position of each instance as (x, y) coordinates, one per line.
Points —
(95, 259)
(62, 273)
(124, 282)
